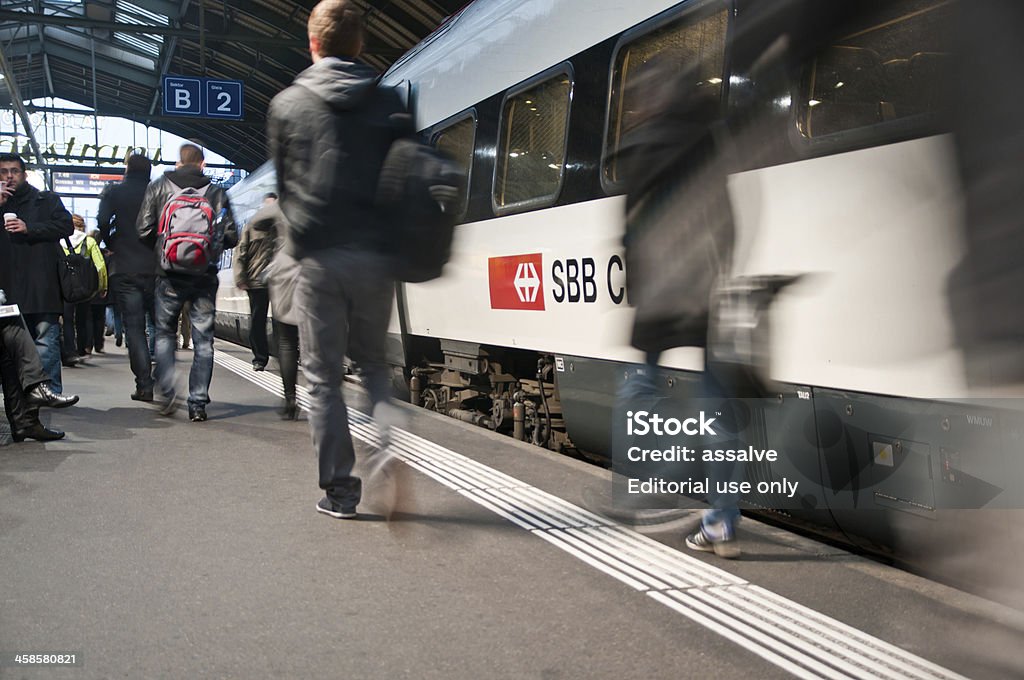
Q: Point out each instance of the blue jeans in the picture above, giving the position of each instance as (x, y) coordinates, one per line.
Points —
(45, 331)
(114, 320)
(719, 521)
(151, 333)
(721, 518)
(171, 296)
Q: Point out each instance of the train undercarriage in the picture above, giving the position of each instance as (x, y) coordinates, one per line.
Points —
(507, 391)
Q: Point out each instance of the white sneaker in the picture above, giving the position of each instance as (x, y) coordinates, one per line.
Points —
(386, 488)
(388, 417)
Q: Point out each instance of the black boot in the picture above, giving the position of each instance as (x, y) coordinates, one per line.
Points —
(290, 411)
(42, 395)
(37, 432)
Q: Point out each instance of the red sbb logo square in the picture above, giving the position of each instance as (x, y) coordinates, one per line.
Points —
(516, 281)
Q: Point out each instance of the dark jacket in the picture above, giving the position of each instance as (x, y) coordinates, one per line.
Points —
(34, 283)
(679, 226)
(5, 261)
(257, 247)
(160, 191)
(328, 134)
(119, 211)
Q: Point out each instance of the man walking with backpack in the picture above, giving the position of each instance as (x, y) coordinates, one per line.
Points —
(328, 135)
(189, 221)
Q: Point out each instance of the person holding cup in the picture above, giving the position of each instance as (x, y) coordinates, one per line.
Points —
(25, 383)
(35, 221)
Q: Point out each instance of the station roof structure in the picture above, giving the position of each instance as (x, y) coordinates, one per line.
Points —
(60, 48)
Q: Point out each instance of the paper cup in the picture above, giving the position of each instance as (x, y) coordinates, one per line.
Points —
(10, 216)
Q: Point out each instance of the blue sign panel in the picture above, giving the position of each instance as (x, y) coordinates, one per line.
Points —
(202, 97)
(183, 96)
(224, 99)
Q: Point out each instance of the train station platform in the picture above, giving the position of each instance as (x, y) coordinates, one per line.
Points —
(152, 547)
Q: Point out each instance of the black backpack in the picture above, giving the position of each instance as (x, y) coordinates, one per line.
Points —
(418, 191)
(79, 280)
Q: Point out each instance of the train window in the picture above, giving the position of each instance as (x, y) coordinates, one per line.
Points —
(531, 148)
(457, 140)
(694, 44)
(898, 67)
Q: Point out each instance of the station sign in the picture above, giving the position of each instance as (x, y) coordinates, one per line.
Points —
(202, 97)
(224, 99)
(83, 182)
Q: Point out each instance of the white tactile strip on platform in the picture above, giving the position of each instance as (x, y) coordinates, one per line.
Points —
(798, 639)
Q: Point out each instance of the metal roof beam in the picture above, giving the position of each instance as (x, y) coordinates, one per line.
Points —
(19, 106)
(168, 54)
(139, 116)
(169, 8)
(42, 47)
(76, 55)
(85, 22)
(82, 40)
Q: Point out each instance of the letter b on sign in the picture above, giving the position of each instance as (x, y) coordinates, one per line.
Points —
(183, 96)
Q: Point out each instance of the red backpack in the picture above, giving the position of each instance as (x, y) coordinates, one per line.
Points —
(186, 232)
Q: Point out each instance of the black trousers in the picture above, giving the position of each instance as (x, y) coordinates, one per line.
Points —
(134, 294)
(20, 369)
(287, 337)
(259, 303)
(69, 332)
(97, 324)
(83, 328)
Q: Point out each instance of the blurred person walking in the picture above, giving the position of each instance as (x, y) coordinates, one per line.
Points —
(180, 209)
(38, 220)
(679, 237)
(335, 125)
(255, 250)
(282, 277)
(133, 267)
(984, 289)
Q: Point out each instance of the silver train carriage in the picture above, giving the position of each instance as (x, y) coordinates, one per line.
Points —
(532, 317)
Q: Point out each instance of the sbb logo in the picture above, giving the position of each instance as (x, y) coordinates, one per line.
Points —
(515, 281)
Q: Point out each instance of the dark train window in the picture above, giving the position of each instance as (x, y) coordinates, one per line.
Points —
(896, 68)
(691, 44)
(457, 139)
(531, 145)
